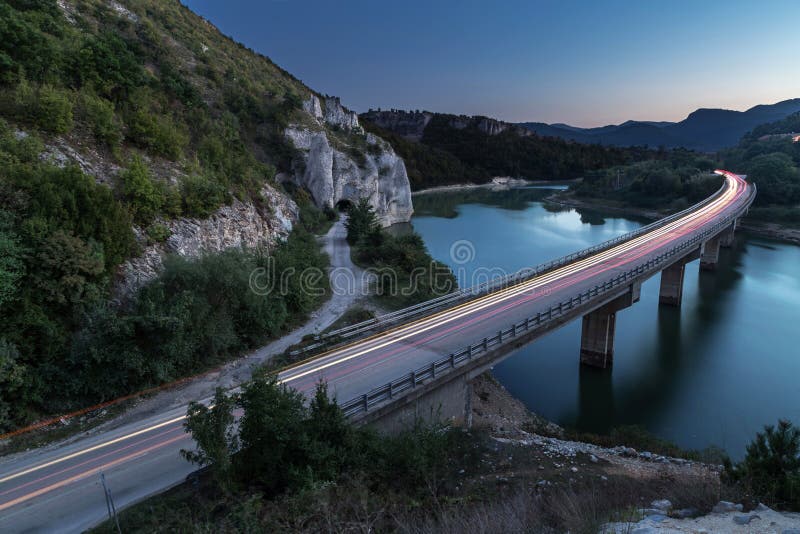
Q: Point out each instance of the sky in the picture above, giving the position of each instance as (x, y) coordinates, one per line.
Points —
(586, 63)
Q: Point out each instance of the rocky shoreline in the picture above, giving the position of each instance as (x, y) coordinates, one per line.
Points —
(565, 465)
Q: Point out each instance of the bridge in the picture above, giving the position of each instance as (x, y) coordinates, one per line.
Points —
(416, 363)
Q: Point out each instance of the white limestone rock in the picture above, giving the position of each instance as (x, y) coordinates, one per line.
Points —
(240, 224)
(332, 176)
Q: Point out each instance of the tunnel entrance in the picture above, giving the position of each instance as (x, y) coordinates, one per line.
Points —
(344, 205)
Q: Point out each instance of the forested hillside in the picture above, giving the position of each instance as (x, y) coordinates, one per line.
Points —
(115, 120)
(451, 149)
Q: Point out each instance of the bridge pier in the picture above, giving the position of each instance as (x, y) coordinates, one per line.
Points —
(710, 254)
(726, 237)
(671, 292)
(597, 330)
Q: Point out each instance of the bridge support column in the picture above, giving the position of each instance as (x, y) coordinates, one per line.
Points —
(597, 332)
(726, 237)
(671, 292)
(710, 254)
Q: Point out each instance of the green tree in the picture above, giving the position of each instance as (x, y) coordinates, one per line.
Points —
(143, 194)
(12, 380)
(777, 178)
(214, 432)
(361, 220)
(771, 466)
(270, 431)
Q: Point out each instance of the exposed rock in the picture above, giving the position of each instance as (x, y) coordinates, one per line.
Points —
(744, 519)
(662, 504)
(241, 224)
(723, 507)
(412, 124)
(408, 124)
(686, 513)
(337, 115)
(331, 175)
(334, 114)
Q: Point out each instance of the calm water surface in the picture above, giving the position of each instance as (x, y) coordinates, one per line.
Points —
(710, 373)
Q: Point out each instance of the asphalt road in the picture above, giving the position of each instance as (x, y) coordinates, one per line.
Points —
(57, 488)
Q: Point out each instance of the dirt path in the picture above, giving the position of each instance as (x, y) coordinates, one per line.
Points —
(348, 287)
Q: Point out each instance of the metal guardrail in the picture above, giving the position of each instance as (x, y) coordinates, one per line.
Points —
(466, 294)
(364, 402)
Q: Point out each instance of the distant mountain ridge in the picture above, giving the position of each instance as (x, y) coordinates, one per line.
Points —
(705, 129)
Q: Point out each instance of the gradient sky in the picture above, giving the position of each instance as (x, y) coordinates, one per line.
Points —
(587, 63)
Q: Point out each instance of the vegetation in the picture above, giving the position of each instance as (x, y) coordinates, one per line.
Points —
(302, 467)
(406, 273)
(675, 182)
(447, 154)
(62, 236)
(770, 471)
(201, 104)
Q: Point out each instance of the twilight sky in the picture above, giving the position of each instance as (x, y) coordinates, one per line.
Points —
(587, 63)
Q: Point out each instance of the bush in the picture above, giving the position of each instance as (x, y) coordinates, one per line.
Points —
(99, 114)
(159, 134)
(406, 273)
(202, 196)
(45, 106)
(158, 232)
(144, 196)
(770, 471)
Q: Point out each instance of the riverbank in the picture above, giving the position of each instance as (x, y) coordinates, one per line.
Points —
(763, 229)
(497, 184)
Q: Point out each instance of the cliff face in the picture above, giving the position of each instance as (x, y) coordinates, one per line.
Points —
(412, 124)
(331, 172)
(240, 224)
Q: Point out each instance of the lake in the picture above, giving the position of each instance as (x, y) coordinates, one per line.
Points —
(711, 372)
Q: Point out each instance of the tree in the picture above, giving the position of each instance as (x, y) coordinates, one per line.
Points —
(273, 445)
(360, 221)
(777, 178)
(771, 467)
(140, 191)
(213, 430)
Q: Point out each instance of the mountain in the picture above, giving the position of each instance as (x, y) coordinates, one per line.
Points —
(705, 130)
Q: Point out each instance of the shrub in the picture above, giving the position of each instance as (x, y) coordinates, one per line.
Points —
(159, 134)
(158, 232)
(770, 470)
(144, 196)
(202, 195)
(99, 114)
(45, 106)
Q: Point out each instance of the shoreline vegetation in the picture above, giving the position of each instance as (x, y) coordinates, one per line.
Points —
(497, 183)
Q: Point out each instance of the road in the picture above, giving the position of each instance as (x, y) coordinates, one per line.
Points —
(57, 488)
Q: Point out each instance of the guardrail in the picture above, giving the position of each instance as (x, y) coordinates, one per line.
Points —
(466, 294)
(386, 392)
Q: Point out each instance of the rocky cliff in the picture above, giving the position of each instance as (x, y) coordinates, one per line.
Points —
(412, 124)
(343, 163)
(238, 225)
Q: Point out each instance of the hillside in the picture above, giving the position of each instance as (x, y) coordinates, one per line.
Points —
(133, 138)
(705, 130)
(441, 149)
